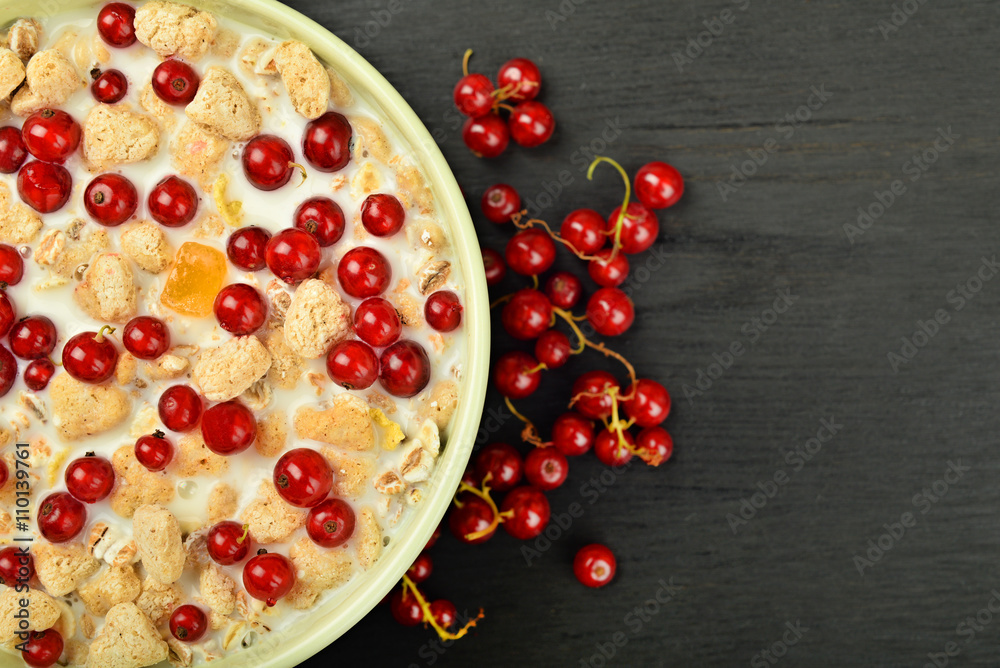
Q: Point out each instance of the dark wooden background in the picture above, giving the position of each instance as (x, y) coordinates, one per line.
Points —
(889, 92)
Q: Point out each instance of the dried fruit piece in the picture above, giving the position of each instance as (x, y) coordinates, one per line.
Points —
(194, 280)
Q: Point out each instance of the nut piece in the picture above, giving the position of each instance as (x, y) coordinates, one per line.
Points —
(11, 71)
(286, 364)
(173, 29)
(223, 106)
(18, 223)
(197, 152)
(108, 290)
(81, 409)
(61, 568)
(317, 319)
(346, 424)
(369, 538)
(270, 517)
(43, 612)
(272, 434)
(51, 79)
(319, 570)
(158, 537)
(226, 372)
(135, 484)
(114, 586)
(145, 244)
(306, 81)
(113, 135)
(389, 483)
(433, 275)
(128, 640)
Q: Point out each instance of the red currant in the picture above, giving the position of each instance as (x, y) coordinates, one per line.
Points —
(303, 477)
(546, 468)
(268, 162)
(594, 565)
(405, 369)
(188, 623)
(173, 202)
(382, 215)
(352, 364)
(42, 649)
(321, 217)
(38, 373)
(376, 322)
(521, 78)
(180, 408)
(405, 609)
(563, 289)
(326, 144)
(13, 152)
(572, 434)
(44, 186)
(530, 252)
(531, 124)
(90, 479)
(16, 566)
(658, 185)
(473, 95)
(584, 230)
(606, 271)
(228, 542)
(656, 442)
(110, 199)
(502, 463)
(268, 577)
(51, 135)
(553, 349)
(146, 337)
(330, 523)
(61, 517)
(175, 82)
(443, 311)
(472, 517)
(596, 402)
(154, 451)
(527, 314)
(650, 403)
(247, 247)
(293, 255)
(610, 312)
(516, 375)
(421, 568)
(240, 309)
(4, 473)
(90, 357)
(33, 337)
(228, 428)
(500, 203)
(494, 265)
(486, 136)
(531, 512)
(116, 24)
(8, 371)
(640, 227)
(109, 87)
(609, 449)
(444, 612)
(11, 265)
(8, 314)
(364, 272)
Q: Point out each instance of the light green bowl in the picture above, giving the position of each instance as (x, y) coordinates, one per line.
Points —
(328, 622)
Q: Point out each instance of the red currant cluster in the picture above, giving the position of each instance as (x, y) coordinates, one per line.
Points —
(529, 122)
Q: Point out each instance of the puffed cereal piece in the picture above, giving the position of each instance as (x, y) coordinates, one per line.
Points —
(81, 409)
(319, 570)
(158, 537)
(113, 586)
(43, 612)
(51, 78)
(135, 484)
(18, 223)
(194, 458)
(317, 319)
(24, 37)
(145, 244)
(287, 365)
(179, 653)
(346, 424)
(272, 434)
(351, 471)
(108, 291)
(158, 600)
(173, 29)
(371, 140)
(223, 106)
(151, 102)
(257, 57)
(76, 652)
(222, 503)
(218, 590)
(369, 533)
(225, 44)
(270, 517)
(440, 404)
(432, 275)
(113, 135)
(306, 81)
(11, 72)
(61, 568)
(197, 152)
(226, 372)
(128, 640)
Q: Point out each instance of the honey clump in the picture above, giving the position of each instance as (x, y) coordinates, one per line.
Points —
(194, 280)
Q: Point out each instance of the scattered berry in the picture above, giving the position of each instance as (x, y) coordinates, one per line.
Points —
(553, 349)
(592, 390)
(486, 136)
(655, 444)
(573, 434)
(502, 463)
(421, 568)
(516, 375)
(610, 312)
(658, 185)
(594, 565)
(473, 95)
(530, 512)
(609, 449)
(530, 252)
(521, 78)
(564, 289)
(500, 203)
(531, 124)
(527, 314)
(649, 404)
(546, 468)
(608, 271)
(584, 230)
(494, 265)
(405, 609)
(473, 516)
(640, 227)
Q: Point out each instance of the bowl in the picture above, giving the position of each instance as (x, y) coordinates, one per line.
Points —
(329, 621)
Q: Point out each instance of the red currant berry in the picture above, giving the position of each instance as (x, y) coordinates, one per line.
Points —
(405, 609)
(42, 649)
(443, 311)
(268, 162)
(521, 79)
(51, 135)
(240, 309)
(188, 623)
(382, 215)
(530, 252)
(500, 203)
(90, 357)
(247, 247)
(110, 199)
(330, 523)
(658, 185)
(650, 403)
(376, 322)
(13, 152)
(33, 337)
(11, 265)
(16, 566)
(656, 444)
(553, 349)
(228, 542)
(154, 451)
(563, 289)
(640, 227)
(180, 408)
(502, 463)
(173, 202)
(303, 477)
(61, 517)
(175, 82)
(610, 312)
(8, 314)
(146, 337)
(4, 473)
(38, 374)
(228, 428)
(326, 144)
(364, 272)
(607, 271)
(116, 24)
(109, 87)
(573, 434)
(593, 388)
(405, 369)
(531, 512)
(486, 136)
(609, 449)
(90, 479)
(531, 124)
(546, 468)
(516, 375)
(472, 517)
(584, 230)
(473, 95)
(527, 314)
(594, 565)
(44, 186)
(445, 613)
(352, 364)
(421, 568)
(293, 255)
(494, 265)
(268, 577)
(8, 371)
(321, 217)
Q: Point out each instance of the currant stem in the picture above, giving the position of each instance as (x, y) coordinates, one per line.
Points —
(530, 433)
(102, 332)
(246, 532)
(465, 62)
(620, 223)
(570, 320)
(425, 607)
(501, 300)
(531, 222)
(484, 494)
